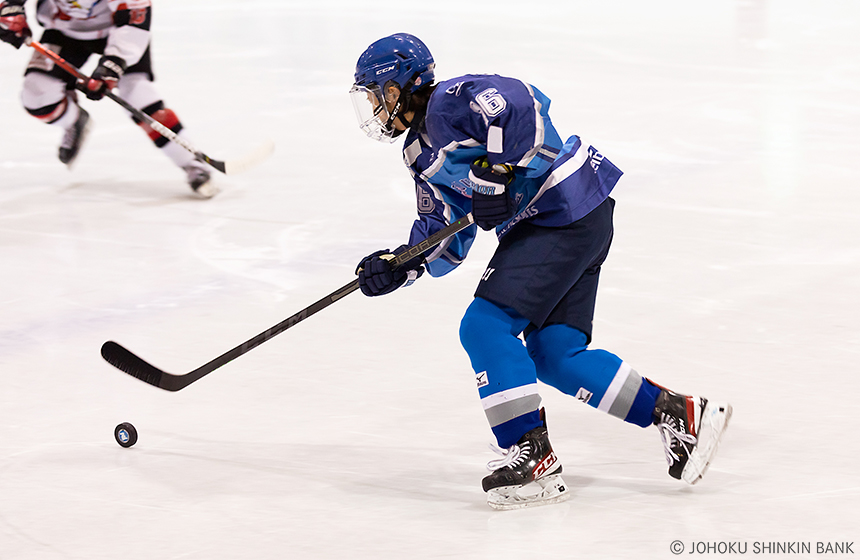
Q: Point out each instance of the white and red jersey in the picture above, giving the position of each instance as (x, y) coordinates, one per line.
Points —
(125, 23)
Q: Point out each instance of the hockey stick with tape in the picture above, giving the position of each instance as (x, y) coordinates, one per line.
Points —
(226, 167)
(123, 359)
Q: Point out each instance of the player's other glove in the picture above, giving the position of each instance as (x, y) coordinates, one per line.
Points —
(376, 277)
(105, 77)
(491, 205)
(13, 23)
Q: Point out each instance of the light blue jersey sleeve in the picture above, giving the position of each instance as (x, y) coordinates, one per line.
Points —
(437, 209)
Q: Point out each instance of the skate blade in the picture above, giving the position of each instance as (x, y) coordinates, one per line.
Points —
(546, 491)
(715, 420)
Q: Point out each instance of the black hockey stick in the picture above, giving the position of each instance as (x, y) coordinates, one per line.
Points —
(128, 362)
(226, 167)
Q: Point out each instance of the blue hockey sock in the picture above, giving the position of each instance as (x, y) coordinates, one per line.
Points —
(596, 377)
(507, 381)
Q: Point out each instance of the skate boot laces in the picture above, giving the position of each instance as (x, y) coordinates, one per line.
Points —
(670, 434)
(513, 456)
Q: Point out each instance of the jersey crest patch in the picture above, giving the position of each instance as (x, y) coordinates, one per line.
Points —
(463, 186)
(491, 102)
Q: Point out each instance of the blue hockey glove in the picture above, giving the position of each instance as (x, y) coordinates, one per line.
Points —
(105, 77)
(13, 23)
(491, 205)
(376, 277)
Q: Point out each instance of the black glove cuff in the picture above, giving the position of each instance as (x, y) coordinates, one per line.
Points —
(113, 63)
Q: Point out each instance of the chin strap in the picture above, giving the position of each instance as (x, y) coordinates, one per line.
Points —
(402, 105)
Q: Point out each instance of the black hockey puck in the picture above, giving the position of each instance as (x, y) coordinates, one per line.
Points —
(125, 434)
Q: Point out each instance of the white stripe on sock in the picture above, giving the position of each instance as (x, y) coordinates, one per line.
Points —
(509, 395)
(614, 387)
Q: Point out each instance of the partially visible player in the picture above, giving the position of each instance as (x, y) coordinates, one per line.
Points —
(485, 144)
(119, 31)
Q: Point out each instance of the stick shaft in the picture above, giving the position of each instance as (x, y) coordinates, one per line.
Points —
(138, 114)
(123, 359)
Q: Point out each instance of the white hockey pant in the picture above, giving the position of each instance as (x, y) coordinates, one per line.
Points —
(46, 98)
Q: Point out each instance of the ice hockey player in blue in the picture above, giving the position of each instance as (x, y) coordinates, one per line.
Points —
(485, 144)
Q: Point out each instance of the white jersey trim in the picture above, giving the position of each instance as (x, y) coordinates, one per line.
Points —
(563, 171)
(539, 130)
(495, 140)
(411, 153)
(443, 155)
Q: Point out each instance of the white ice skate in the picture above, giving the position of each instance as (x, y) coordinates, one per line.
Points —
(74, 138)
(544, 491)
(199, 179)
(691, 429)
(715, 419)
(527, 475)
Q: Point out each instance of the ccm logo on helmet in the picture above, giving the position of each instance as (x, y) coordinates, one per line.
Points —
(384, 70)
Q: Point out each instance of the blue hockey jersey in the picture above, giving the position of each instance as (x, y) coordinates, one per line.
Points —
(507, 121)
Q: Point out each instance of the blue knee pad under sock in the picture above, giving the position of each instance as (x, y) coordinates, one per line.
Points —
(507, 381)
(596, 377)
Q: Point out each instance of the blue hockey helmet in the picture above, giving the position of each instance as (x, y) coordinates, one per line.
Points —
(401, 60)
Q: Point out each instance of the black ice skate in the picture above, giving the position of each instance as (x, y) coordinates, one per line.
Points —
(74, 138)
(198, 177)
(527, 475)
(691, 428)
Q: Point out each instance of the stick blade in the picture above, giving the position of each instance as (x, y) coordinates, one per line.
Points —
(125, 360)
(259, 155)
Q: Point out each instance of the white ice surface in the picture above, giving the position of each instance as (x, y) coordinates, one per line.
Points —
(735, 272)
